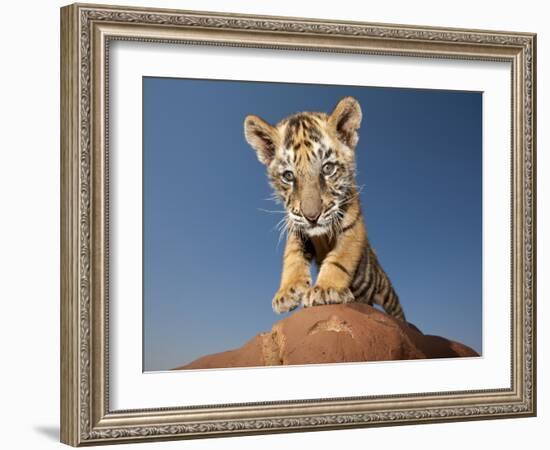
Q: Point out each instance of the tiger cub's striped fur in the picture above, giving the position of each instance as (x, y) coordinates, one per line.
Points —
(310, 159)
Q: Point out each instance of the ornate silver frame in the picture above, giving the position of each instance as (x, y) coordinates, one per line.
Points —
(86, 31)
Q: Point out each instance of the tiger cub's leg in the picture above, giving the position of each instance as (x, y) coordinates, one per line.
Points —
(295, 278)
(338, 267)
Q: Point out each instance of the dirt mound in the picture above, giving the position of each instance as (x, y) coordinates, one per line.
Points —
(334, 333)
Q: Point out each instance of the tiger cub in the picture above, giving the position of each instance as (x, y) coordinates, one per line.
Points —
(310, 159)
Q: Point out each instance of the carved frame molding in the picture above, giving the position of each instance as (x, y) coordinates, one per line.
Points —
(86, 32)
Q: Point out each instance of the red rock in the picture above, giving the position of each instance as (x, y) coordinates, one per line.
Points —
(331, 334)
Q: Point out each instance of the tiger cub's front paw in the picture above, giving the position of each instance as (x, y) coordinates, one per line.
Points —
(327, 296)
(290, 297)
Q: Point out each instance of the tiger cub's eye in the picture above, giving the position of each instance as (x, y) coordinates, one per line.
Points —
(288, 176)
(328, 168)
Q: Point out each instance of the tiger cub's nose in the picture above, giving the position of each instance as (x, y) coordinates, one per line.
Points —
(311, 216)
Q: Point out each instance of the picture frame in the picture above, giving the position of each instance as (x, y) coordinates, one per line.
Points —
(87, 34)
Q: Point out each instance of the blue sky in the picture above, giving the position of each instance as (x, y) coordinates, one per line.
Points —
(211, 258)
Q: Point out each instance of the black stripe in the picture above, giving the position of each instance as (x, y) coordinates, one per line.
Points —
(322, 182)
(357, 281)
(372, 286)
(389, 303)
(368, 267)
(379, 279)
(351, 225)
(341, 267)
(386, 288)
(314, 135)
(363, 264)
(362, 291)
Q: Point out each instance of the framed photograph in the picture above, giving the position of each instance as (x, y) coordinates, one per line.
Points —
(280, 224)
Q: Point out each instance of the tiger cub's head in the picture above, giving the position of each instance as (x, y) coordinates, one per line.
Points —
(310, 160)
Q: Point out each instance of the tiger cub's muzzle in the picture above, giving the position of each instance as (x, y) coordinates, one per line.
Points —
(311, 203)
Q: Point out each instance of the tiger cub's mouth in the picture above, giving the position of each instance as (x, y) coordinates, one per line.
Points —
(317, 230)
(326, 223)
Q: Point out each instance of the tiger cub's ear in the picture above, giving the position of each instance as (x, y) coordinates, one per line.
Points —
(345, 120)
(262, 137)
